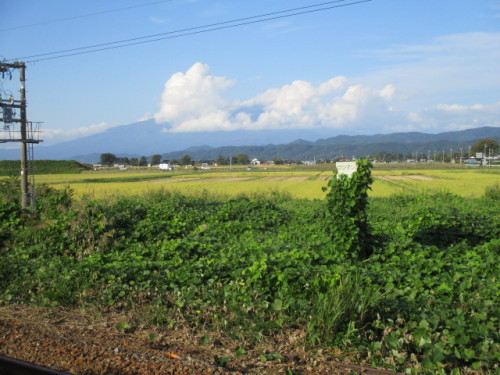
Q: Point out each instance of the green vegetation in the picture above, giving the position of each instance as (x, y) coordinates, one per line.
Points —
(12, 167)
(424, 298)
(347, 217)
(486, 145)
(125, 178)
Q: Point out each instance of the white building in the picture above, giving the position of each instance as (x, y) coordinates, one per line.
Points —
(165, 166)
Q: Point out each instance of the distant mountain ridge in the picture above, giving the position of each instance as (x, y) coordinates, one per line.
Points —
(348, 146)
(148, 138)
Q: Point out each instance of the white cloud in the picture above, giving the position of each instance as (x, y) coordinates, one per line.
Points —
(446, 66)
(146, 116)
(158, 20)
(445, 117)
(426, 87)
(51, 136)
(193, 101)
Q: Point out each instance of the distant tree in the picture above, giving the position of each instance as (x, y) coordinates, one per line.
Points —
(155, 159)
(485, 144)
(134, 161)
(122, 160)
(241, 159)
(278, 161)
(397, 157)
(221, 160)
(186, 160)
(108, 159)
(143, 161)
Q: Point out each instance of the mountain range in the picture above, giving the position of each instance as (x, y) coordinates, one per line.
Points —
(352, 146)
(148, 138)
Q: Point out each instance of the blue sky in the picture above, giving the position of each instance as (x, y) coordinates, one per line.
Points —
(375, 67)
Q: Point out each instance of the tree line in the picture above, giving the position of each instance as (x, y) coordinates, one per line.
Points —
(112, 159)
(488, 146)
(485, 146)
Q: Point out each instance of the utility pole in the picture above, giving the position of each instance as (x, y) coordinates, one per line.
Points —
(24, 150)
(484, 155)
(25, 129)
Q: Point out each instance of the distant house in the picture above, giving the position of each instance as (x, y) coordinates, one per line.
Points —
(165, 166)
(255, 162)
(309, 162)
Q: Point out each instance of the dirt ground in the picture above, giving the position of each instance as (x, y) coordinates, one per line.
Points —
(92, 342)
(406, 178)
(284, 178)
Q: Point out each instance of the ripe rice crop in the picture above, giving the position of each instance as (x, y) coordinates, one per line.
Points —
(300, 184)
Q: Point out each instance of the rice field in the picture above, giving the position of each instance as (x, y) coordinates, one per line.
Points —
(299, 184)
(463, 182)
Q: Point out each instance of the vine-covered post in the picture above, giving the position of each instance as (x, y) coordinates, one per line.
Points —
(347, 201)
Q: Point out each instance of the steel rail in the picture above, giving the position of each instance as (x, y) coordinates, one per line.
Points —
(11, 366)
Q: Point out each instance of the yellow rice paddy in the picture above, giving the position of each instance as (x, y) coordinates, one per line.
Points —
(299, 184)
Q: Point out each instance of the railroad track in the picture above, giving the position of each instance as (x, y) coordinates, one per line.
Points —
(11, 366)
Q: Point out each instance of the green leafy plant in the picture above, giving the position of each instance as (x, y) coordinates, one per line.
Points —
(347, 202)
(122, 326)
(252, 267)
(221, 361)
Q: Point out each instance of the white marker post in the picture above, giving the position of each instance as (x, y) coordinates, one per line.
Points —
(346, 168)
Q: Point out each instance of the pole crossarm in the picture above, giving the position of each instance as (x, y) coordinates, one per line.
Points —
(20, 140)
(5, 105)
(11, 120)
(14, 65)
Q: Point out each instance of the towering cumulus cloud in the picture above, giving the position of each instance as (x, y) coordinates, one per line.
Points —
(193, 101)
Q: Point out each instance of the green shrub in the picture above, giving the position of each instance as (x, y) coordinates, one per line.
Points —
(347, 202)
(493, 192)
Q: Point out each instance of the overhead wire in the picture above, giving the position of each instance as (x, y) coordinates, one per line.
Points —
(183, 30)
(85, 15)
(190, 31)
(179, 30)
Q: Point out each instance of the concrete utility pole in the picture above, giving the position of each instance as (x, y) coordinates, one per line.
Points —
(8, 105)
(24, 150)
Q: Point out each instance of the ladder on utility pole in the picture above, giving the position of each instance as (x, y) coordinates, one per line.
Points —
(31, 175)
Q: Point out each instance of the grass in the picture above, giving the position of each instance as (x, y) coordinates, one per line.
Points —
(11, 167)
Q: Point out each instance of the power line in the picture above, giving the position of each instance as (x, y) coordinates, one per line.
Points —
(190, 31)
(178, 31)
(84, 15)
